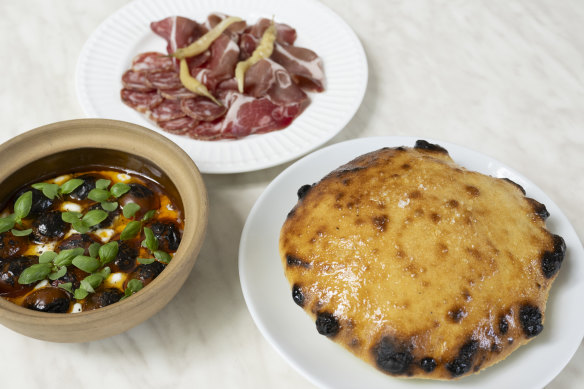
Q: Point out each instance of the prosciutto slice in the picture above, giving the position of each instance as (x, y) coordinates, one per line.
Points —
(221, 65)
(178, 31)
(247, 115)
(285, 35)
(267, 78)
(304, 66)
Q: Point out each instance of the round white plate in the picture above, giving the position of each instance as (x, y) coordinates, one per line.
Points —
(110, 49)
(286, 326)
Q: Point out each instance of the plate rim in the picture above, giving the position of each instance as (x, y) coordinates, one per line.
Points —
(575, 245)
(89, 107)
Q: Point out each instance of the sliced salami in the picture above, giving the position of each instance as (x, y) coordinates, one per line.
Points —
(152, 62)
(167, 110)
(141, 101)
(164, 80)
(136, 81)
(175, 94)
(179, 126)
(203, 109)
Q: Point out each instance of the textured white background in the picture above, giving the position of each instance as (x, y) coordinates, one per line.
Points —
(503, 78)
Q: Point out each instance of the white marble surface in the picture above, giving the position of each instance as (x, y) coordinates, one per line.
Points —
(503, 78)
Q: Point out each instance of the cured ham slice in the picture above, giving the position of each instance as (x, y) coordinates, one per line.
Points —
(202, 109)
(221, 65)
(164, 80)
(233, 31)
(304, 66)
(141, 101)
(267, 78)
(178, 31)
(198, 60)
(136, 81)
(152, 62)
(285, 35)
(167, 110)
(247, 115)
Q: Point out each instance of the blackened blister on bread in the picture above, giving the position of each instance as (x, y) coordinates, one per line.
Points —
(392, 356)
(551, 261)
(303, 190)
(425, 145)
(297, 295)
(291, 260)
(464, 360)
(538, 208)
(327, 324)
(530, 318)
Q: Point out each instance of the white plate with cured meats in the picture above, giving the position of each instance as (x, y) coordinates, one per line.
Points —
(239, 85)
(293, 334)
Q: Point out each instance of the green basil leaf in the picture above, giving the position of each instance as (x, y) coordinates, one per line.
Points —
(109, 206)
(130, 210)
(49, 190)
(146, 261)
(68, 286)
(21, 232)
(119, 189)
(65, 257)
(70, 217)
(150, 242)
(105, 272)
(58, 274)
(6, 223)
(131, 230)
(80, 226)
(94, 280)
(70, 185)
(34, 273)
(98, 195)
(162, 256)
(102, 183)
(47, 257)
(149, 215)
(80, 294)
(94, 249)
(87, 264)
(133, 287)
(108, 252)
(94, 217)
(22, 205)
(39, 185)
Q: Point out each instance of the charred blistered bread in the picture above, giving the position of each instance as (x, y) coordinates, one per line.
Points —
(418, 266)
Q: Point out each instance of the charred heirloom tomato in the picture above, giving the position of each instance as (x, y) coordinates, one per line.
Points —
(82, 241)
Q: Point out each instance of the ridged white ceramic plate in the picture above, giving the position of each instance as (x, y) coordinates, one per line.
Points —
(110, 49)
(289, 329)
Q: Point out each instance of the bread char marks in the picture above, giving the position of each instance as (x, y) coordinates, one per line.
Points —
(409, 217)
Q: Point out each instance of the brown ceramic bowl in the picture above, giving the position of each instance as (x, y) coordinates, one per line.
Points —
(73, 145)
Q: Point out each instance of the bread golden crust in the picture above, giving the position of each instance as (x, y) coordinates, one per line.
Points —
(418, 266)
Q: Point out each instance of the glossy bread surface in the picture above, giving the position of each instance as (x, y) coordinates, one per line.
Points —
(418, 266)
